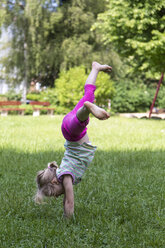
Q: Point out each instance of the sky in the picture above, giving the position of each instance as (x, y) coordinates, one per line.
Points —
(3, 39)
(3, 52)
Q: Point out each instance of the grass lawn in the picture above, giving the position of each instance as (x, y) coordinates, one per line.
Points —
(120, 202)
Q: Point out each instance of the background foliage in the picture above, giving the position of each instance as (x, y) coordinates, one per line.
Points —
(50, 37)
(137, 30)
(70, 87)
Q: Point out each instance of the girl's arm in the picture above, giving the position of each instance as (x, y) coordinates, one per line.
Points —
(68, 197)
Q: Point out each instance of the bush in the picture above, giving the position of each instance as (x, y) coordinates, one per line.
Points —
(28, 109)
(12, 96)
(61, 110)
(33, 97)
(3, 97)
(48, 95)
(70, 87)
(161, 98)
(131, 98)
(105, 89)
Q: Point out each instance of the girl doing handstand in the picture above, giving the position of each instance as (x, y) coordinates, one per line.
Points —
(79, 152)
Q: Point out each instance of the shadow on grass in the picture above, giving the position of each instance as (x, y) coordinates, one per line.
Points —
(122, 191)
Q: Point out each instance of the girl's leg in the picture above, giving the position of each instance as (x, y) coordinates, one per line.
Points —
(99, 113)
(74, 123)
(96, 67)
(90, 84)
(73, 127)
(84, 108)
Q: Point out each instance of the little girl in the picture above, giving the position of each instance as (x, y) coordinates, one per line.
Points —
(79, 152)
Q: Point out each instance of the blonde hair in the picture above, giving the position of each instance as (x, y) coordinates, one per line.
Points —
(44, 185)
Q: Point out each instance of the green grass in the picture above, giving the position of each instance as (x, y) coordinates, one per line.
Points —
(120, 202)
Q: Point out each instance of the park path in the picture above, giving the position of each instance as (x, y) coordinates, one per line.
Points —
(143, 115)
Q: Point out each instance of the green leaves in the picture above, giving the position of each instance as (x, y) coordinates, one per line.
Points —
(136, 28)
(105, 89)
(70, 87)
(55, 39)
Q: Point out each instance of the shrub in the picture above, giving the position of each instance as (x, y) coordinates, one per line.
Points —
(131, 98)
(12, 96)
(28, 109)
(3, 97)
(61, 110)
(48, 95)
(70, 87)
(105, 89)
(33, 96)
(161, 98)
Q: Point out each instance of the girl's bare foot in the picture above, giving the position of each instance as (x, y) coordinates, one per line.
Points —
(100, 67)
(98, 112)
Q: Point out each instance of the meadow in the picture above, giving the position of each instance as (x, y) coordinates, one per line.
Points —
(120, 202)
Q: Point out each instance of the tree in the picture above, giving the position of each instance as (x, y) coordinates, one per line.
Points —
(79, 45)
(33, 45)
(46, 39)
(137, 31)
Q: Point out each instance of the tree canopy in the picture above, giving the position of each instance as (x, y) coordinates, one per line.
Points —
(48, 37)
(32, 48)
(137, 31)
